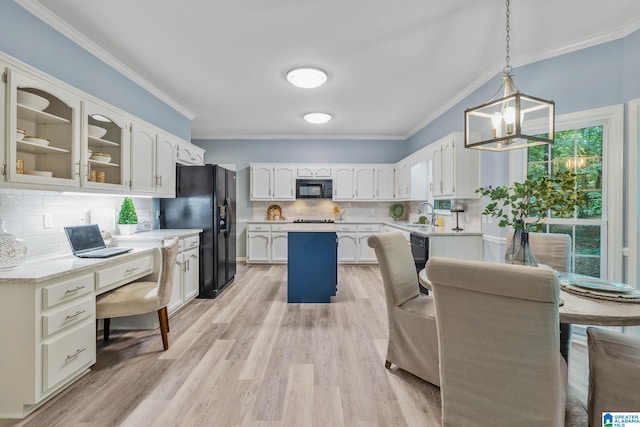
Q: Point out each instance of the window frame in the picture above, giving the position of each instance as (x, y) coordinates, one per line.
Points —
(612, 120)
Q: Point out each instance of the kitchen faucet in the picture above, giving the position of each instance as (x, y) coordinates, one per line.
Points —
(433, 211)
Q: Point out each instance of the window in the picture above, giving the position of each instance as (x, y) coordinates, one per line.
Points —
(590, 142)
(580, 151)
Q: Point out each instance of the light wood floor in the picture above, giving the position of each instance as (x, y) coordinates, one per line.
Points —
(248, 358)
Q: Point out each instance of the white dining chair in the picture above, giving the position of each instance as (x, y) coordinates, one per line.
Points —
(413, 340)
(500, 361)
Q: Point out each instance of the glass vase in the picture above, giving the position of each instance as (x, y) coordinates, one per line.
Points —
(520, 252)
(13, 249)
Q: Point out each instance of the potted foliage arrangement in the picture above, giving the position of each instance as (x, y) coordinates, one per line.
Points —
(127, 219)
(524, 206)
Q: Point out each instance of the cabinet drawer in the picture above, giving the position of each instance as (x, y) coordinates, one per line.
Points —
(68, 354)
(191, 242)
(258, 227)
(125, 272)
(68, 315)
(346, 227)
(278, 227)
(369, 227)
(66, 290)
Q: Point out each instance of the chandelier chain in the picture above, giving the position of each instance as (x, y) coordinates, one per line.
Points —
(507, 69)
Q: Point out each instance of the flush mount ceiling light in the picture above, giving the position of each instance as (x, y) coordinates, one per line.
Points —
(317, 118)
(307, 77)
(497, 125)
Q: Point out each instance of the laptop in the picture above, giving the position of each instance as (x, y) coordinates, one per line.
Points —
(86, 242)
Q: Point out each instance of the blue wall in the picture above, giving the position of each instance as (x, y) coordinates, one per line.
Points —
(28, 39)
(241, 152)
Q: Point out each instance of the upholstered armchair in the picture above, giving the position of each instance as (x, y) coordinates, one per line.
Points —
(500, 361)
(614, 373)
(413, 340)
(151, 293)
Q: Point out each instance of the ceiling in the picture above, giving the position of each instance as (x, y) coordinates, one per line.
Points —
(394, 65)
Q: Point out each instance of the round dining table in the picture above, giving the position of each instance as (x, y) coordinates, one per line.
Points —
(582, 310)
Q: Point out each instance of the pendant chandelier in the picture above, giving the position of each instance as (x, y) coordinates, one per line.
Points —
(499, 125)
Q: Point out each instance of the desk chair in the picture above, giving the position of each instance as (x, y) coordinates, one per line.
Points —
(151, 293)
(413, 340)
(614, 373)
(500, 361)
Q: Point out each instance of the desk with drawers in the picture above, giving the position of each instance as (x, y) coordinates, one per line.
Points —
(47, 322)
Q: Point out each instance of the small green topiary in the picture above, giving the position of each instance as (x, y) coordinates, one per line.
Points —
(127, 212)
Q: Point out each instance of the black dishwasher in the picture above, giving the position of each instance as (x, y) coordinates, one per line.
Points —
(420, 252)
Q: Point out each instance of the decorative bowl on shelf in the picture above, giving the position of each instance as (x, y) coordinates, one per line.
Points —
(32, 100)
(36, 140)
(20, 133)
(96, 131)
(48, 174)
(101, 157)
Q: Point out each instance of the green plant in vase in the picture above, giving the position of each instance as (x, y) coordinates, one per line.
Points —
(127, 218)
(524, 206)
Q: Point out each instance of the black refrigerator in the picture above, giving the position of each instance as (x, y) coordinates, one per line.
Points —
(206, 199)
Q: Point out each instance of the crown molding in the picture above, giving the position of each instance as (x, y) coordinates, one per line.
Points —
(399, 138)
(44, 14)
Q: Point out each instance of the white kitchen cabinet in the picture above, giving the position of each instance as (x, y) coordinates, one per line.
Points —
(343, 183)
(313, 171)
(261, 177)
(420, 177)
(279, 246)
(284, 183)
(189, 154)
(267, 243)
(455, 170)
(114, 143)
(272, 182)
(347, 242)
(365, 253)
(403, 180)
(186, 273)
(191, 274)
(258, 243)
(57, 150)
(364, 182)
(153, 160)
(384, 182)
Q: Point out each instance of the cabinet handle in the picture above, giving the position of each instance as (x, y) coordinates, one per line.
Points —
(130, 270)
(78, 172)
(78, 351)
(160, 185)
(76, 289)
(72, 316)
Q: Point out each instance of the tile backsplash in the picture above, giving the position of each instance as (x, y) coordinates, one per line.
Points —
(366, 211)
(24, 214)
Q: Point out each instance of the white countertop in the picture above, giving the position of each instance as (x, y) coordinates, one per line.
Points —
(311, 228)
(425, 230)
(159, 234)
(46, 268)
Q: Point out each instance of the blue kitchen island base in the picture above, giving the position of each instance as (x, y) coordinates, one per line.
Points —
(312, 267)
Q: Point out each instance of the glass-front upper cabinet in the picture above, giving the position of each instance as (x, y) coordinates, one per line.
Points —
(105, 148)
(43, 132)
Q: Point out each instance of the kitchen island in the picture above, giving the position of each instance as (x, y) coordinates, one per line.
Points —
(312, 271)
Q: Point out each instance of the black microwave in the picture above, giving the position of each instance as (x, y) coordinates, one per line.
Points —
(313, 189)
